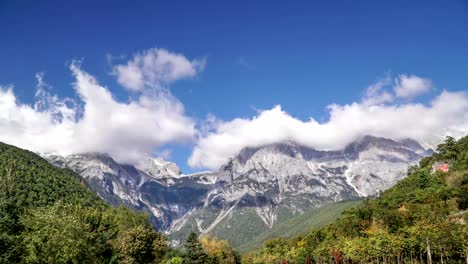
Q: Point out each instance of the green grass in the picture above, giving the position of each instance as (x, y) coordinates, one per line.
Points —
(300, 224)
(244, 226)
(245, 230)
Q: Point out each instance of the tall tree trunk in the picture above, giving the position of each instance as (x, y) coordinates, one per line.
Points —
(428, 248)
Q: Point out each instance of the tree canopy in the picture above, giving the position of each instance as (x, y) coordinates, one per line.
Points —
(49, 215)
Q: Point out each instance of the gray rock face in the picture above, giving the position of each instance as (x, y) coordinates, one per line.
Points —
(160, 168)
(157, 189)
(284, 177)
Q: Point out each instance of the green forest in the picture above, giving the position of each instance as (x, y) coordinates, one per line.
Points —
(422, 219)
(49, 215)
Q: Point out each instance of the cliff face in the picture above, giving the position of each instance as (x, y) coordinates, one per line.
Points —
(264, 185)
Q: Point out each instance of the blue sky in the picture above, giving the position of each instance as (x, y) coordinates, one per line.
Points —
(303, 56)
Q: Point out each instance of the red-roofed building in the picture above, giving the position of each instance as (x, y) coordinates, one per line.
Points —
(444, 167)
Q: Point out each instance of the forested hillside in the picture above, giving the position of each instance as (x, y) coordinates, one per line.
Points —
(48, 215)
(422, 219)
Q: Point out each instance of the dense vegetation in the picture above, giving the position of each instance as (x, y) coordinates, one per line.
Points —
(423, 219)
(49, 215)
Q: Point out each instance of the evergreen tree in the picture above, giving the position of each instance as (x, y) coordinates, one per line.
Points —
(10, 227)
(194, 253)
(447, 150)
(49, 215)
(463, 194)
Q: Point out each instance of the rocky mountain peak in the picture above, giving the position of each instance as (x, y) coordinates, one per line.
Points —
(294, 150)
(259, 181)
(288, 149)
(159, 168)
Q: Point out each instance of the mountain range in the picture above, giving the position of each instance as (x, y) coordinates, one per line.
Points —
(254, 192)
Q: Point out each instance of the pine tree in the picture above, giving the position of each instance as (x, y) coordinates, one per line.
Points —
(448, 150)
(463, 194)
(194, 252)
(10, 227)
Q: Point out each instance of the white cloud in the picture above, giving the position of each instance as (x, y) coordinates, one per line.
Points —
(446, 114)
(404, 87)
(99, 123)
(156, 68)
(407, 86)
(131, 130)
(376, 93)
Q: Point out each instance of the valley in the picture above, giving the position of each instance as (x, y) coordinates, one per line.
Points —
(255, 192)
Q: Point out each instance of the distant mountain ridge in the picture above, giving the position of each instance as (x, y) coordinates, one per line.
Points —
(255, 190)
(420, 219)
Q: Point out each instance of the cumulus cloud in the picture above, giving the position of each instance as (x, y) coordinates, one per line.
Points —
(408, 86)
(127, 131)
(446, 114)
(403, 87)
(131, 130)
(376, 93)
(155, 68)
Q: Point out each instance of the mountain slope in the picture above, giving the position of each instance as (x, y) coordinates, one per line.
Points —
(49, 215)
(36, 182)
(266, 186)
(300, 224)
(165, 197)
(422, 217)
(257, 189)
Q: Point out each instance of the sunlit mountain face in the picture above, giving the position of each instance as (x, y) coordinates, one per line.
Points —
(269, 184)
